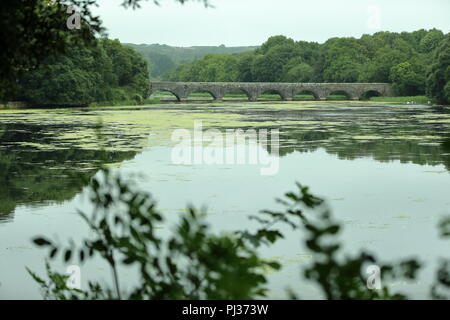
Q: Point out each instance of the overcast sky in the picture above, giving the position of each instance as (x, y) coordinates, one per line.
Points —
(251, 22)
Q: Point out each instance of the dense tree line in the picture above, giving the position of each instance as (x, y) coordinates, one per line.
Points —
(414, 62)
(31, 31)
(105, 71)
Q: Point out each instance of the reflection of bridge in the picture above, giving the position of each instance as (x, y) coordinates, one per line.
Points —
(287, 91)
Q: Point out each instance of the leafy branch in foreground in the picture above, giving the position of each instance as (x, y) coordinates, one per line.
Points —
(338, 277)
(441, 287)
(193, 263)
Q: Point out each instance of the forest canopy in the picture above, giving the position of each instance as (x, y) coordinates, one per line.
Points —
(414, 62)
(106, 71)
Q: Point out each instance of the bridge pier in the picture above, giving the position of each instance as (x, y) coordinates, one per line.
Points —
(253, 97)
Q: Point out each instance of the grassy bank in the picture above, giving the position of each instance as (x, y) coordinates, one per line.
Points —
(206, 96)
(162, 95)
(406, 100)
(23, 105)
(124, 103)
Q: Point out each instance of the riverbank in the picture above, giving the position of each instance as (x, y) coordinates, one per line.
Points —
(124, 103)
(200, 96)
(23, 105)
(303, 97)
(405, 100)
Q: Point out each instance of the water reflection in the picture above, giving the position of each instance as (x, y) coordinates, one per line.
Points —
(418, 135)
(32, 176)
(384, 206)
(40, 151)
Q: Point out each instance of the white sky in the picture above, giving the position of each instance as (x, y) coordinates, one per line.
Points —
(251, 22)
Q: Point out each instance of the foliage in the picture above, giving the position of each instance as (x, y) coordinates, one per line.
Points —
(431, 40)
(439, 75)
(399, 58)
(441, 287)
(194, 263)
(163, 59)
(159, 64)
(106, 71)
(378, 69)
(244, 67)
(30, 31)
(211, 68)
(405, 81)
(266, 68)
(297, 71)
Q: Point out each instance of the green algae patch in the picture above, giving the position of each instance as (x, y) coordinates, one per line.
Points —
(367, 137)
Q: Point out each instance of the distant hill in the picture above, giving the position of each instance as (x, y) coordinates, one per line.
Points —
(162, 58)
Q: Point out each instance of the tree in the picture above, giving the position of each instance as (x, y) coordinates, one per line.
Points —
(266, 68)
(405, 80)
(273, 42)
(30, 31)
(159, 64)
(344, 69)
(379, 68)
(439, 75)
(342, 59)
(218, 68)
(302, 72)
(368, 59)
(447, 92)
(244, 67)
(130, 68)
(211, 68)
(431, 40)
(106, 71)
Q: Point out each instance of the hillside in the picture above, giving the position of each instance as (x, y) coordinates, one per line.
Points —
(162, 58)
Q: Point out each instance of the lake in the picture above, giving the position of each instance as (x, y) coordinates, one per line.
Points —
(383, 169)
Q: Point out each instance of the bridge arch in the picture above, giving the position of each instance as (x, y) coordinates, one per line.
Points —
(367, 94)
(271, 91)
(214, 95)
(173, 92)
(306, 92)
(237, 91)
(339, 92)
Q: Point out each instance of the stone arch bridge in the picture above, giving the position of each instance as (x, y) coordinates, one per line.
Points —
(353, 91)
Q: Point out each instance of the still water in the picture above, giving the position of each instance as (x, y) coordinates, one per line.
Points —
(383, 169)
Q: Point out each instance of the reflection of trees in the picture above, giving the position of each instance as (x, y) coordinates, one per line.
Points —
(32, 175)
(382, 150)
(354, 133)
